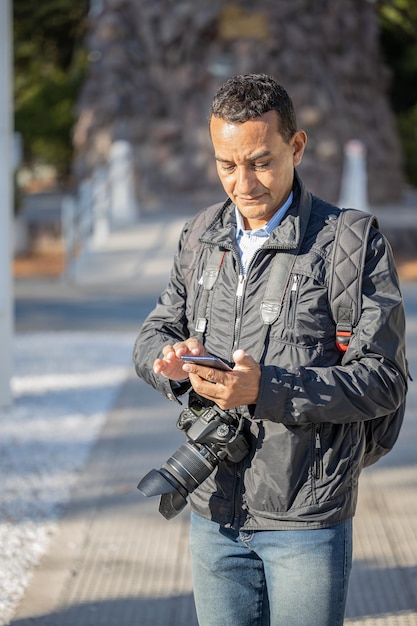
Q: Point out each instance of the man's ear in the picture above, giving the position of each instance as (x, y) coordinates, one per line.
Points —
(298, 142)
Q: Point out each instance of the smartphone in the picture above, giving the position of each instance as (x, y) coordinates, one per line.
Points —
(207, 361)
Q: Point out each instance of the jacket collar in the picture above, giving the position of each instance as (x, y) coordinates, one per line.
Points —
(222, 230)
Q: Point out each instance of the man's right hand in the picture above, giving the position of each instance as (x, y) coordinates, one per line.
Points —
(170, 365)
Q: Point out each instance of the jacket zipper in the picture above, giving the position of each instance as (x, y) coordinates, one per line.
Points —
(236, 334)
(237, 488)
(292, 305)
(239, 302)
(318, 453)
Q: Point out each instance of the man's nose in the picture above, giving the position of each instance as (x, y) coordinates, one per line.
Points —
(246, 180)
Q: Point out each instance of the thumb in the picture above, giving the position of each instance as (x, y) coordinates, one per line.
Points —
(243, 360)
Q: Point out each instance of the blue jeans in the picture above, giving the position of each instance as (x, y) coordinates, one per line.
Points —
(270, 578)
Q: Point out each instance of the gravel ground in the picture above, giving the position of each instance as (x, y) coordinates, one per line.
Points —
(63, 386)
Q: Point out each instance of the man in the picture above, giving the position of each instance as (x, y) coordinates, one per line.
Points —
(271, 535)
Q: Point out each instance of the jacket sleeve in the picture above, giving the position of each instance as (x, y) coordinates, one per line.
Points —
(370, 381)
(165, 324)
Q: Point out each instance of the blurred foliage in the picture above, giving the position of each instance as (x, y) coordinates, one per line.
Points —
(407, 127)
(49, 66)
(399, 13)
(398, 21)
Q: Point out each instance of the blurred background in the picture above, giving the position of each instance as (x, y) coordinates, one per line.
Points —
(107, 84)
(111, 155)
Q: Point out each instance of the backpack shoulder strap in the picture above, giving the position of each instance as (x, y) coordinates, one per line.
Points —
(191, 246)
(280, 274)
(345, 288)
(189, 255)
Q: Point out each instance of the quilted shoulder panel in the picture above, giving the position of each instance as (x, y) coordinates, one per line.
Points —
(348, 260)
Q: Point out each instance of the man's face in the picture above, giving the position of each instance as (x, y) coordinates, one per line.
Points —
(255, 165)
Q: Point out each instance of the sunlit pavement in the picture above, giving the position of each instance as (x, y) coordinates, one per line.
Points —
(113, 560)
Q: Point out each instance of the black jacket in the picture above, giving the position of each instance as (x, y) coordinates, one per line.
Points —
(306, 431)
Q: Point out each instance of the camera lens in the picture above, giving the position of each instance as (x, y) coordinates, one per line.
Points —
(191, 465)
(183, 472)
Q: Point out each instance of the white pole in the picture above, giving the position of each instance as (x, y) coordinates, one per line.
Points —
(6, 203)
(124, 209)
(354, 185)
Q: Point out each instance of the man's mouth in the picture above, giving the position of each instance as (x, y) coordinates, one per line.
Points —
(251, 199)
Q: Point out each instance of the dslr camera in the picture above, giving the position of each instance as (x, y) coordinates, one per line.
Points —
(213, 435)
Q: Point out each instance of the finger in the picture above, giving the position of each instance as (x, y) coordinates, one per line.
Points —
(160, 365)
(166, 350)
(204, 387)
(243, 360)
(195, 346)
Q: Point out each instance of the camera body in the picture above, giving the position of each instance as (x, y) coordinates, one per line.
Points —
(213, 435)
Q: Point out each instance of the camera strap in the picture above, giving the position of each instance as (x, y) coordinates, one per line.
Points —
(279, 279)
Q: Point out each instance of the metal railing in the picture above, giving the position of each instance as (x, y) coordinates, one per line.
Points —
(104, 202)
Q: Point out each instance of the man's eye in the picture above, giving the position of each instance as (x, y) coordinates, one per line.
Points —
(228, 168)
(261, 166)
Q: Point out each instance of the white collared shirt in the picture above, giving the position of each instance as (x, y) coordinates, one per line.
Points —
(249, 241)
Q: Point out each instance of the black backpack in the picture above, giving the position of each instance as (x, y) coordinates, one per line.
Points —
(345, 297)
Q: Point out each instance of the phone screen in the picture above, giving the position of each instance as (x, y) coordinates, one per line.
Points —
(207, 361)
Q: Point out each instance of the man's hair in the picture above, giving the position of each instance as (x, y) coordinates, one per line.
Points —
(243, 98)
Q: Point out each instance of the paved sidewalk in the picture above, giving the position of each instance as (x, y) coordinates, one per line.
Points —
(116, 562)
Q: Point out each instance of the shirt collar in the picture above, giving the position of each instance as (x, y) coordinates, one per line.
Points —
(269, 226)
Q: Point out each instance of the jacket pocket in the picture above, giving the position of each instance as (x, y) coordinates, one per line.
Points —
(317, 461)
(306, 318)
(292, 301)
(336, 453)
(200, 309)
(279, 478)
